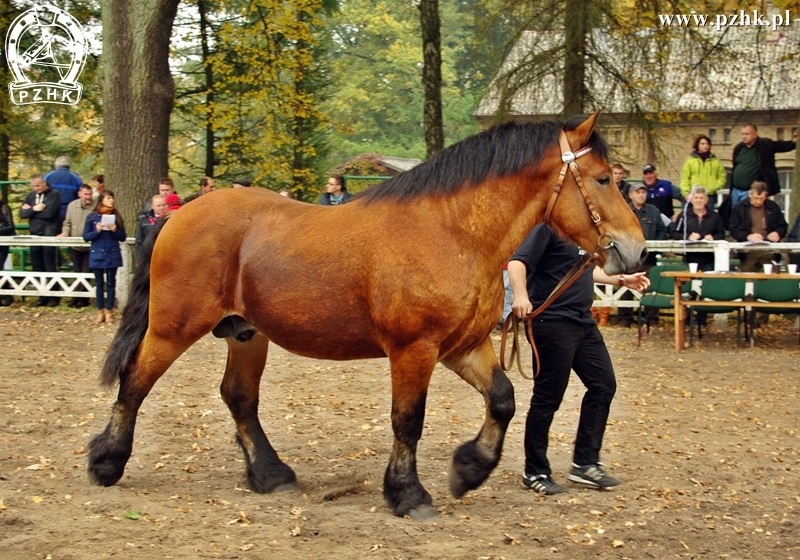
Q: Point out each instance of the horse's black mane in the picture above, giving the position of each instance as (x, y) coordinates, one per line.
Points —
(501, 150)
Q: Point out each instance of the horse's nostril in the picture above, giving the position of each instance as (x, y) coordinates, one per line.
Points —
(643, 255)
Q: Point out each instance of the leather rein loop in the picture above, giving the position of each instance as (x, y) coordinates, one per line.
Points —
(604, 241)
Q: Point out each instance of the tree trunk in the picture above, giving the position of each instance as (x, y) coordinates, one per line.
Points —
(138, 94)
(794, 205)
(576, 29)
(432, 75)
(6, 16)
(209, 75)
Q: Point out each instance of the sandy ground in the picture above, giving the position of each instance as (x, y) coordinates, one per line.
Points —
(706, 444)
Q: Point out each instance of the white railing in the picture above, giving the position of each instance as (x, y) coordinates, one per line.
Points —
(61, 284)
(75, 284)
(609, 296)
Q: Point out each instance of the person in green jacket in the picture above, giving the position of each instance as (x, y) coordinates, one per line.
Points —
(702, 168)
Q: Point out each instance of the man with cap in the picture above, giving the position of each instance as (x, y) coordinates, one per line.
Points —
(653, 228)
(239, 183)
(660, 192)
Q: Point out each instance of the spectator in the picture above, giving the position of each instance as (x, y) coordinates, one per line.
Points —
(77, 212)
(147, 222)
(206, 186)
(98, 185)
(698, 222)
(43, 208)
(757, 219)
(754, 160)
(702, 168)
(173, 202)
(7, 228)
(653, 229)
(240, 183)
(660, 192)
(335, 192)
(105, 256)
(794, 237)
(65, 182)
(165, 188)
(566, 338)
(618, 172)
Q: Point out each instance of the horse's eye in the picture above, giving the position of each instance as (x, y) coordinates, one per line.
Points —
(604, 181)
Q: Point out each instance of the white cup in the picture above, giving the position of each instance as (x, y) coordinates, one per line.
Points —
(692, 267)
(792, 268)
(767, 269)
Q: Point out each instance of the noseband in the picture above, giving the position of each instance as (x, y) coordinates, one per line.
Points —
(604, 242)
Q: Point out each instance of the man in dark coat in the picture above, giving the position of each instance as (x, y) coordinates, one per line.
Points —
(757, 219)
(43, 208)
(754, 160)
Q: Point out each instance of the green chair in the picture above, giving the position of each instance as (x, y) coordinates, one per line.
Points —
(720, 289)
(661, 293)
(774, 290)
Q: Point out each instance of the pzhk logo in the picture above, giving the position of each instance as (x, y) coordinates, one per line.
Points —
(46, 50)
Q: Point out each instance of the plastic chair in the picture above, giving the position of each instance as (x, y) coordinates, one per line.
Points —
(720, 289)
(774, 291)
(661, 293)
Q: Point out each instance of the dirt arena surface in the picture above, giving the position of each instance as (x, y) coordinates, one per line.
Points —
(706, 444)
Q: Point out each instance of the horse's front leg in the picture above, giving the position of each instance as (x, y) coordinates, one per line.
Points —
(239, 389)
(474, 460)
(411, 373)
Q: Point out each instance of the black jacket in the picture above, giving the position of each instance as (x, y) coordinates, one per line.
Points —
(741, 223)
(688, 223)
(6, 221)
(46, 222)
(766, 149)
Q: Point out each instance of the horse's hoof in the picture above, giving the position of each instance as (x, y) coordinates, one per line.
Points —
(288, 487)
(423, 513)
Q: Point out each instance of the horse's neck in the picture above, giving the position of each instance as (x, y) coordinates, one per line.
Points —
(506, 211)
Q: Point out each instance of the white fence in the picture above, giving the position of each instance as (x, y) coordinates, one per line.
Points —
(61, 284)
(609, 296)
(74, 284)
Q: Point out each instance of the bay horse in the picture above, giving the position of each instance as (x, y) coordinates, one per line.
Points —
(410, 269)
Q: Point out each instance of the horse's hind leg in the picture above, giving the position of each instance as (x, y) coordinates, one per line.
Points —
(474, 460)
(411, 373)
(240, 386)
(110, 450)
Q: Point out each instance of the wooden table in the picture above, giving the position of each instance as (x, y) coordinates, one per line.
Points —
(680, 305)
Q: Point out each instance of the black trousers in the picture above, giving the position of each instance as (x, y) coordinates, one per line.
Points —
(564, 346)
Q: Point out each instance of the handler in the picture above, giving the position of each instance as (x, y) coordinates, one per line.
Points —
(566, 337)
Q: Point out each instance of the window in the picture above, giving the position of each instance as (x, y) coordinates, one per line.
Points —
(618, 137)
(785, 178)
(712, 135)
(726, 135)
(779, 134)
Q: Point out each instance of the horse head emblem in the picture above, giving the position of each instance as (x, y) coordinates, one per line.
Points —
(46, 50)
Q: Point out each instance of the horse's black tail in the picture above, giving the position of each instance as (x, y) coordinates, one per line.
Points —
(135, 319)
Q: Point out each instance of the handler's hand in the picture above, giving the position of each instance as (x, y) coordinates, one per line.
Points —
(639, 281)
(521, 307)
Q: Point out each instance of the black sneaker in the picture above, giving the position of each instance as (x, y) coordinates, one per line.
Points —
(542, 483)
(591, 475)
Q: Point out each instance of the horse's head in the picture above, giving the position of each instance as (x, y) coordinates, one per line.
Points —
(590, 210)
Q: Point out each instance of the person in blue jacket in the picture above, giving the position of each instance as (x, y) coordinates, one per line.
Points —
(105, 232)
(66, 183)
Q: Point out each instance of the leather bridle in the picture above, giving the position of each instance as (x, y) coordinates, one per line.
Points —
(604, 242)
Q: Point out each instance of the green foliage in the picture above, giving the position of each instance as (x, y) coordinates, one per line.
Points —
(270, 77)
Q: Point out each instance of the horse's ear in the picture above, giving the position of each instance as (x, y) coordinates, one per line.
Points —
(580, 136)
